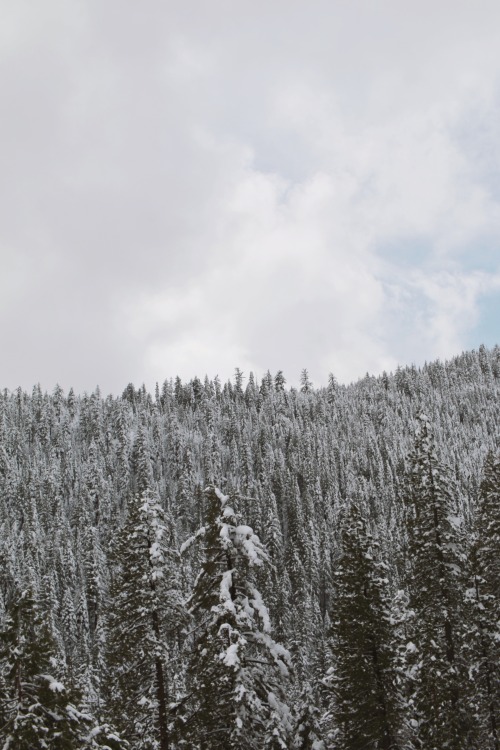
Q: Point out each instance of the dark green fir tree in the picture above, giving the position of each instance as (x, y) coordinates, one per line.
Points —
(365, 700)
(36, 709)
(440, 686)
(144, 613)
(238, 675)
(484, 597)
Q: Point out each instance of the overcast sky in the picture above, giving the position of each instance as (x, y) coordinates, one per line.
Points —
(191, 186)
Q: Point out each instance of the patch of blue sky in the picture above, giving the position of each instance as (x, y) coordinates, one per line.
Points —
(407, 252)
(418, 252)
(487, 329)
(483, 255)
(477, 137)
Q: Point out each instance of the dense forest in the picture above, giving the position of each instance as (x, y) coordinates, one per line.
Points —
(249, 565)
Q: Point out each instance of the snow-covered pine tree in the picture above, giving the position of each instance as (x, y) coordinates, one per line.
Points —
(238, 675)
(36, 709)
(484, 642)
(144, 611)
(307, 734)
(436, 593)
(365, 702)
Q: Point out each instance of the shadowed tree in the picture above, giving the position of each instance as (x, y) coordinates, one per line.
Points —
(144, 613)
(238, 674)
(366, 705)
(483, 639)
(436, 590)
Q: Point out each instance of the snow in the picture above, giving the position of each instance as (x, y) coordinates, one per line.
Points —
(239, 692)
(252, 552)
(225, 590)
(455, 521)
(281, 710)
(230, 656)
(192, 539)
(261, 610)
(155, 552)
(251, 544)
(278, 652)
(225, 534)
(244, 531)
(55, 685)
(223, 498)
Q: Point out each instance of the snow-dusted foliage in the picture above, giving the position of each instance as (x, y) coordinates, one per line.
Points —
(99, 495)
(238, 674)
(441, 688)
(366, 702)
(36, 708)
(483, 612)
(143, 616)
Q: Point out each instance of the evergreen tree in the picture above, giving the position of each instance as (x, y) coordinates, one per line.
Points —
(36, 710)
(436, 591)
(366, 706)
(305, 382)
(143, 611)
(307, 733)
(237, 673)
(484, 644)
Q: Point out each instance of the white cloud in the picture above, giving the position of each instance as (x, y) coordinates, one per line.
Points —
(452, 309)
(296, 279)
(287, 290)
(258, 185)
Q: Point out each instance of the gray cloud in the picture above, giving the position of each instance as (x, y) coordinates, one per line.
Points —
(186, 188)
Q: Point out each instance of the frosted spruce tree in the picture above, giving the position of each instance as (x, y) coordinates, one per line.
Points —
(36, 709)
(483, 638)
(365, 700)
(237, 675)
(439, 680)
(144, 613)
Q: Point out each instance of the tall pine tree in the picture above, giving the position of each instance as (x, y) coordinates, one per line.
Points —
(238, 674)
(366, 704)
(436, 592)
(36, 710)
(143, 614)
(484, 644)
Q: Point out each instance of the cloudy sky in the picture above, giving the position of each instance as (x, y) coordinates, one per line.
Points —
(190, 186)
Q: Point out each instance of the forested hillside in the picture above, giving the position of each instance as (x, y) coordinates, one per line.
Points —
(247, 565)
